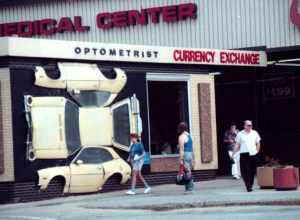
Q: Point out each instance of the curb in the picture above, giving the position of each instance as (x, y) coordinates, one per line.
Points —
(207, 204)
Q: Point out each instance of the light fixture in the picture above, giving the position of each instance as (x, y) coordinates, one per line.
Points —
(289, 60)
(215, 74)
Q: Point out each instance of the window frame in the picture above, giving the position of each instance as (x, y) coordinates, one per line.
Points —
(168, 77)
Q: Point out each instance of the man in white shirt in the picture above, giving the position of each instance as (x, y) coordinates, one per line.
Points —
(248, 143)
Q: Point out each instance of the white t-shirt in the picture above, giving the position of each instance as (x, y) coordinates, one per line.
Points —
(248, 141)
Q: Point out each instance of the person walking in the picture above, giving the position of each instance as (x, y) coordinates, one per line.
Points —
(186, 156)
(248, 143)
(136, 158)
(229, 140)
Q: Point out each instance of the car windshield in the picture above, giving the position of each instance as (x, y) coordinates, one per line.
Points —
(72, 156)
(121, 125)
(72, 126)
(91, 98)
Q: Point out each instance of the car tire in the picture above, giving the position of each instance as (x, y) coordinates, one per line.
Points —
(113, 183)
(55, 188)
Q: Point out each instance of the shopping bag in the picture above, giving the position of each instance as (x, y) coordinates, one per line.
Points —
(182, 176)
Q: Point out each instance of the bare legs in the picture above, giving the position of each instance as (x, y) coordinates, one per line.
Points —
(137, 174)
(133, 181)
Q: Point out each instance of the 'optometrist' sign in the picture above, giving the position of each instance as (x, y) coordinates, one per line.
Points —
(28, 47)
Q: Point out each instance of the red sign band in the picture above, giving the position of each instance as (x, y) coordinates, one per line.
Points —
(107, 20)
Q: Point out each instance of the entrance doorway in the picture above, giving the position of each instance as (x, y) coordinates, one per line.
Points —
(270, 98)
(168, 105)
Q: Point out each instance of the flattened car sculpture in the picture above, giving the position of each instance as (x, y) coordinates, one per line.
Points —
(86, 171)
(58, 128)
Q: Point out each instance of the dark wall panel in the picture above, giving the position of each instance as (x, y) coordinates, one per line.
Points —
(136, 83)
(271, 98)
(22, 79)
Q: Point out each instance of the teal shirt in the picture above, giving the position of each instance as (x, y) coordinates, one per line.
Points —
(188, 146)
(137, 148)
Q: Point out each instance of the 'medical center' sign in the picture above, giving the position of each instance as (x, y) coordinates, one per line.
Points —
(106, 20)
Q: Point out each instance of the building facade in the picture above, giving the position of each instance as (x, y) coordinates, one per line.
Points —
(159, 45)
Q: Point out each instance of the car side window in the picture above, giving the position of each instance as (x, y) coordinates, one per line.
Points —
(94, 156)
(105, 155)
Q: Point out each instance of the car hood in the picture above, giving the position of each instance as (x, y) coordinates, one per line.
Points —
(53, 124)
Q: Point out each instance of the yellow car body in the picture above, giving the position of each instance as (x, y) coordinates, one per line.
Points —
(58, 126)
(87, 171)
(78, 77)
(81, 76)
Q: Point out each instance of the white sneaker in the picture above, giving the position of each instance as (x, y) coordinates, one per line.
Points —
(147, 190)
(130, 192)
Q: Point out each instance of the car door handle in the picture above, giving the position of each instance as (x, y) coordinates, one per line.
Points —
(101, 168)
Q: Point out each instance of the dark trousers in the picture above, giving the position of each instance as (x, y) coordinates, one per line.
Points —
(248, 169)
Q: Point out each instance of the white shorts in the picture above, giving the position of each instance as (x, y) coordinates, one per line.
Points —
(137, 165)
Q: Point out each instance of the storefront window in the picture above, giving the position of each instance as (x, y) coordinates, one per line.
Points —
(168, 105)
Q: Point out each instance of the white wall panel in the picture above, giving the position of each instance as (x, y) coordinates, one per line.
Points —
(220, 23)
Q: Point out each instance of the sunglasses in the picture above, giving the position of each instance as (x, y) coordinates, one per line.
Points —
(249, 125)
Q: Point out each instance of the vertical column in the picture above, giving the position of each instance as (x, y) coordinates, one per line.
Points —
(6, 136)
(205, 122)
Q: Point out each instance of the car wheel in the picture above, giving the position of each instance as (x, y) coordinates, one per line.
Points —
(55, 187)
(113, 183)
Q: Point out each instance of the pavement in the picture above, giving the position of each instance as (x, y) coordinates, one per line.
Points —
(224, 199)
(220, 192)
(215, 193)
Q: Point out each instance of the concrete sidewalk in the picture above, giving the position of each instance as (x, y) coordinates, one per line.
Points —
(219, 192)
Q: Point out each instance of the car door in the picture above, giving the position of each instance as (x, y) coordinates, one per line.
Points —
(86, 171)
(109, 164)
(125, 119)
